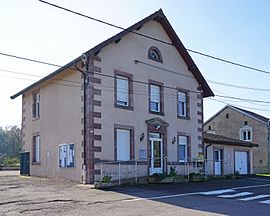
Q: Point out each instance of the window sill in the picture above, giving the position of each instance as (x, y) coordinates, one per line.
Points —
(156, 113)
(35, 118)
(183, 117)
(124, 107)
(36, 163)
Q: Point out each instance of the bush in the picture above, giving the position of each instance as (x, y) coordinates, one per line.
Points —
(106, 179)
(11, 161)
(173, 171)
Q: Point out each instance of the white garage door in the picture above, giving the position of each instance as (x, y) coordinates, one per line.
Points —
(241, 162)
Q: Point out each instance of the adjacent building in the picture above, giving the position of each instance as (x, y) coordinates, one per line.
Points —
(240, 124)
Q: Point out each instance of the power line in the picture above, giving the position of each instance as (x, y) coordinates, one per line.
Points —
(156, 39)
(239, 105)
(243, 99)
(136, 81)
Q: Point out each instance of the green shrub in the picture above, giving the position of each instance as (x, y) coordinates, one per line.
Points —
(11, 161)
(173, 171)
(106, 179)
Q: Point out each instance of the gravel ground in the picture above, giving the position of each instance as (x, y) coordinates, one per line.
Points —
(42, 196)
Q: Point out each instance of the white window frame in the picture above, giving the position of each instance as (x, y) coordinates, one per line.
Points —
(122, 92)
(243, 130)
(155, 97)
(123, 155)
(36, 105)
(36, 153)
(182, 102)
(185, 147)
(66, 155)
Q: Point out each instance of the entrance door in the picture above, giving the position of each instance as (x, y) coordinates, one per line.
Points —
(217, 161)
(241, 162)
(156, 154)
(25, 163)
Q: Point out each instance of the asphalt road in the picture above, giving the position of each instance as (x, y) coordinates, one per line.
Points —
(41, 196)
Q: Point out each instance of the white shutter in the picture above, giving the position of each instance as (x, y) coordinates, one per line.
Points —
(37, 153)
(122, 90)
(123, 145)
(155, 93)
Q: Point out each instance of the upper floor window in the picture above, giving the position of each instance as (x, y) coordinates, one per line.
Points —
(246, 133)
(154, 54)
(36, 149)
(182, 104)
(36, 105)
(155, 98)
(123, 90)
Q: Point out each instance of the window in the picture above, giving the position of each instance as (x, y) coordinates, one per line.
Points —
(182, 148)
(154, 54)
(182, 104)
(246, 133)
(36, 149)
(122, 91)
(227, 115)
(66, 155)
(123, 144)
(155, 98)
(123, 87)
(36, 105)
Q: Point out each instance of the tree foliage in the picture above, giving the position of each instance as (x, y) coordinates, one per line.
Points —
(10, 142)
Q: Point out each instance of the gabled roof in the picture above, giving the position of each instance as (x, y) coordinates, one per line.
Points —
(159, 17)
(250, 114)
(255, 115)
(218, 139)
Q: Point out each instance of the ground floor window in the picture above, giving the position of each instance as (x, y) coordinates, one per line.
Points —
(66, 155)
(36, 149)
(123, 144)
(182, 148)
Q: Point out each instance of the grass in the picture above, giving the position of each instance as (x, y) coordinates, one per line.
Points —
(263, 174)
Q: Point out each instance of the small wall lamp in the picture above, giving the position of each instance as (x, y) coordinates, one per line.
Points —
(173, 140)
(142, 136)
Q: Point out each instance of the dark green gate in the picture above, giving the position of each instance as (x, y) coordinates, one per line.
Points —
(25, 163)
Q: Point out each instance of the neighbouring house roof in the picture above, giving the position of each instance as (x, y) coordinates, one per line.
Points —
(253, 115)
(157, 16)
(218, 139)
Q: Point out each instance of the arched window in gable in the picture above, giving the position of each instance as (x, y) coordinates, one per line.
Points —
(154, 54)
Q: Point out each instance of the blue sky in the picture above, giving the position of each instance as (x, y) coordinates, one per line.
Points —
(234, 30)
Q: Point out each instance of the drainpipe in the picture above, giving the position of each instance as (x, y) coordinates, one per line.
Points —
(268, 138)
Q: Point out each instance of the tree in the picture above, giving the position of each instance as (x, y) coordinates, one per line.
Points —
(10, 142)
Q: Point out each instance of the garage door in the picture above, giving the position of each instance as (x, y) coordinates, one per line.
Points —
(241, 162)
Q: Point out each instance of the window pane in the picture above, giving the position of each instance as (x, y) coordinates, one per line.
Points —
(182, 105)
(122, 90)
(182, 141)
(182, 152)
(155, 93)
(123, 144)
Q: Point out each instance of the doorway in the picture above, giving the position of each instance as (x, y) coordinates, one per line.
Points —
(156, 155)
(218, 161)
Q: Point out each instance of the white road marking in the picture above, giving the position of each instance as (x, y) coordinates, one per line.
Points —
(255, 197)
(265, 202)
(236, 195)
(252, 186)
(161, 197)
(217, 192)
